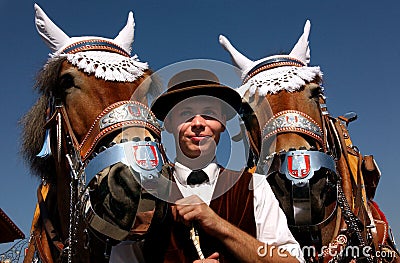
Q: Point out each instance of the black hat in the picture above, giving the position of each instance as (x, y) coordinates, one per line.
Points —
(195, 82)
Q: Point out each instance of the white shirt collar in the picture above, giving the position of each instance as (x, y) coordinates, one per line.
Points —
(205, 190)
(182, 172)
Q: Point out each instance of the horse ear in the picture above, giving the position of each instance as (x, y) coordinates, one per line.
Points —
(238, 58)
(126, 35)
(302, 50)
(52, 35)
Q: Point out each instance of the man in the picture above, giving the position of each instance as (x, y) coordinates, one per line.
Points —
(234, 222)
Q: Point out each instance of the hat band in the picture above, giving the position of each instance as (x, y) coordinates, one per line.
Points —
(94, 44)
(272, 63)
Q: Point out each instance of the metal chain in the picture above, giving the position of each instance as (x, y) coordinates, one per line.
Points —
(352, 221)
(77, 186)
(71, 219)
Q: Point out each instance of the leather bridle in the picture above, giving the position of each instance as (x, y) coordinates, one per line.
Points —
(146, 160)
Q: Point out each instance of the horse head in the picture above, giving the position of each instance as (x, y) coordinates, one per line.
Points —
(287, 99)
(93, 141)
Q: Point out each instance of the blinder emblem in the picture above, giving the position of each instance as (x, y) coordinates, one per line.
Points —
(146, 156)
(298, 165)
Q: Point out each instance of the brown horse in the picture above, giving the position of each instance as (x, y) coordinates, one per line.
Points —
(101, 159)
(324, 185)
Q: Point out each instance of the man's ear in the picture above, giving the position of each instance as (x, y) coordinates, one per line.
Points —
(223, 121)
(168, 124)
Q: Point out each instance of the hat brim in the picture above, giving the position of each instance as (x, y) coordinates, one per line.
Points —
(164, 103)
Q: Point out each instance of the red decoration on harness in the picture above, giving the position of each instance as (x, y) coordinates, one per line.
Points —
(134, 110)
(290, 119)
(146, 156)
(298, 165)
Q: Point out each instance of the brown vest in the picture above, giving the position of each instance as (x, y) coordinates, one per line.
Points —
(236, 206)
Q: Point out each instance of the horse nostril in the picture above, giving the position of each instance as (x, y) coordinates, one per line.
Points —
(292, 149)
(147, 139)
(302, 148)
(136, 139)
(123, 140)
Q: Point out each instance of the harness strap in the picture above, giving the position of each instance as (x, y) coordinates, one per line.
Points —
(59, 118)
(38, 241)
(320, 225)
(301, 203)
(102, 226)
(354, 161)
(332, 142)
(48, 225)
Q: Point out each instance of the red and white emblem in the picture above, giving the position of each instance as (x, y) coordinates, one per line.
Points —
(146, 156)
(291, 119)
(298, 165)
(134, 110)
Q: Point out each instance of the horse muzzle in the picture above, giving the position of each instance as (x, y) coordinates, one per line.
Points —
(304, 182)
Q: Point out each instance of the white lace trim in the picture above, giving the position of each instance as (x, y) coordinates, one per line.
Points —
(287, 78)
(108, 66)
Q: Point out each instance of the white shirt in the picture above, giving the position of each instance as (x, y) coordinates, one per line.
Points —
(271, 222)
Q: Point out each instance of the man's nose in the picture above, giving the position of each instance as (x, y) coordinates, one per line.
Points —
(198, 121)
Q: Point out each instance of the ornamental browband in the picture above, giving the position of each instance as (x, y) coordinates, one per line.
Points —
(295, 121)
(116, 116)
(272, 63)
(129, 111)
(94, 45)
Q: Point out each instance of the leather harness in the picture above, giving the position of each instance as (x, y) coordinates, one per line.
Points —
(337, 151)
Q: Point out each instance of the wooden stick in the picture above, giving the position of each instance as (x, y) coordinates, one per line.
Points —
(194, 236)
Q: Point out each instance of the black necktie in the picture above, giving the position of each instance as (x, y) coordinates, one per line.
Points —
(197, 177)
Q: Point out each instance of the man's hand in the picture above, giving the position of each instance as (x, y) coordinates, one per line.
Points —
(242, 246)
(211, 259)
(192, 208)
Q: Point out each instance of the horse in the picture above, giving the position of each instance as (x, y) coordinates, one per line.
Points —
(324, 185)
(94, 143)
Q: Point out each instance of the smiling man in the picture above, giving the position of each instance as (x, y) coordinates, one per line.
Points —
(235, 213)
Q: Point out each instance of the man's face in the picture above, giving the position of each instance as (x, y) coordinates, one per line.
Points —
(196, 124)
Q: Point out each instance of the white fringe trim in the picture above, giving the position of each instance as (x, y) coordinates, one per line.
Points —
(287, 78)
(108, 66)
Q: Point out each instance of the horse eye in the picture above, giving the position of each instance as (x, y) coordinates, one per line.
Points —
(66, 82)
(315, 92)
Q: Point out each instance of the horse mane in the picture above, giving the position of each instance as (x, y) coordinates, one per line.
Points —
(33, 132)
(33, 121)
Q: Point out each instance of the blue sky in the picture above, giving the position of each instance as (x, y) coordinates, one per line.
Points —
(356, 44)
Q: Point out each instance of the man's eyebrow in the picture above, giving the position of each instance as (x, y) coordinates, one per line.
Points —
(186, 108)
